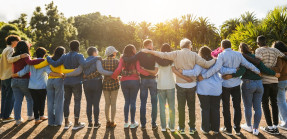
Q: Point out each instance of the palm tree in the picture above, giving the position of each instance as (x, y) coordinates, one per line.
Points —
(228, 27)
(249, 17)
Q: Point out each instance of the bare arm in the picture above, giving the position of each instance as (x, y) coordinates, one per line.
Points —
(177, 73)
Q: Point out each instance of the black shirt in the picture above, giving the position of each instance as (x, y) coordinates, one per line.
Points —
(147, 61)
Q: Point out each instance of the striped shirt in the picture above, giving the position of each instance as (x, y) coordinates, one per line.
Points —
(269, 57)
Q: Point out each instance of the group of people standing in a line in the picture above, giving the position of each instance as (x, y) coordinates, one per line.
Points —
(214, 76)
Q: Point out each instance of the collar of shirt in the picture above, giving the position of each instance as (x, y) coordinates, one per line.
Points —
(228, 49)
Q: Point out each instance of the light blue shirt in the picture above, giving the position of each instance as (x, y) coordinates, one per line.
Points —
(211, 86)
(230, 59)
(38, 78)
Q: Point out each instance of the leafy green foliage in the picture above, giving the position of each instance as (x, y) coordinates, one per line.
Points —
(273, 26)
(9, 29)
(97, 30)
(51, 29)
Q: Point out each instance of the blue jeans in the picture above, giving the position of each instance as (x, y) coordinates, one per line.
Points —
(281, 101)
(210, 112)
(145, 86)
(76, 90)
(130, 90)
(252, 92)
(55, 100)
(169, 96)
(20, 89)
(7, 98)
(93, 91)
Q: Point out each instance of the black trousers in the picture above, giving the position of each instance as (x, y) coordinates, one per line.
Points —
(39, 98)
(235, 93)
(270, 93)
(210, 115)
(186, 95)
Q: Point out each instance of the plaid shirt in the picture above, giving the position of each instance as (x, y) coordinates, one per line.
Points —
(110, 64)
(268, 55)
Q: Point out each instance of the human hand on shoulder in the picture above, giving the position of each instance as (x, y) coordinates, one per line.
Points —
(277, 75)
(24, 55)
(145, 51)
(200, 78)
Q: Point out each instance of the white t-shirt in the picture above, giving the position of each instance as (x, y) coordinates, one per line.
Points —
(165, 79)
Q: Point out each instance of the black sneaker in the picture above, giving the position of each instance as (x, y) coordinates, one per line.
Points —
(268, 130)
(90, 125)
(192, 131)
(225, 131)
(143, 128)
(236, 132)
(155, 127)
(97, 125)
(276, 131)
(181, 131)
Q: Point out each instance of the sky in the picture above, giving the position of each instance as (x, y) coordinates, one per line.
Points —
(153, 11)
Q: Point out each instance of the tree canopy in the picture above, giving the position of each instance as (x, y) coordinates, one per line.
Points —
(49, 28)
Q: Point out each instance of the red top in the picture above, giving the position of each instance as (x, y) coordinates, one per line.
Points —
(135, 66)
(20, 64)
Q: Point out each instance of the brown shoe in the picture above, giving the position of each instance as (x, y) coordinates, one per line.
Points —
(38, 122)
(108, 124)
(113, 124)
(43, 118)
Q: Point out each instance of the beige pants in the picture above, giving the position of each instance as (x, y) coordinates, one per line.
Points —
(111, 101)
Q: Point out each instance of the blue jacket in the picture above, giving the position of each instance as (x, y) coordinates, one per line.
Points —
(72, 60)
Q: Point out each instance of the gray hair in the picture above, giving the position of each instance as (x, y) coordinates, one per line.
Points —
(185, 43)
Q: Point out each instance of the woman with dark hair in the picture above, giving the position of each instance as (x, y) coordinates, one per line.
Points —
(282, 85)
(55, 89)
(38, 85)
(129, 83)
(208, 92)
(252, 90)
(165, 89)
(20, 84)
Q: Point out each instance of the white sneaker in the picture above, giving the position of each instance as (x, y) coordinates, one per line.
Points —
(205, 133)
(255, 132)
(18, 122)
(134, 125)
(30, 118)
(172, 130)
(163, 129)
(246, 127)
(126, 125)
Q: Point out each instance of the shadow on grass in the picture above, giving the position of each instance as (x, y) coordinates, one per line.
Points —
(134, 133)
(175, 135)
(166, 135)
(48, 132)
(94, 135)
(155, 133)
(109, 133)
(10, 133)
(87, 133)
(145, 135)
(127, 133)
(62, 134)
(28, 133)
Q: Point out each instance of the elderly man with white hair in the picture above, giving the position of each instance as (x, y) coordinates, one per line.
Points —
(184, 59)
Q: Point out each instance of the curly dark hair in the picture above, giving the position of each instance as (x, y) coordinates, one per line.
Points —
(21, 48)
(164, 62)
(129, 51)
(59, 51)
(244, 48)
(205, 53)
(281, 46)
